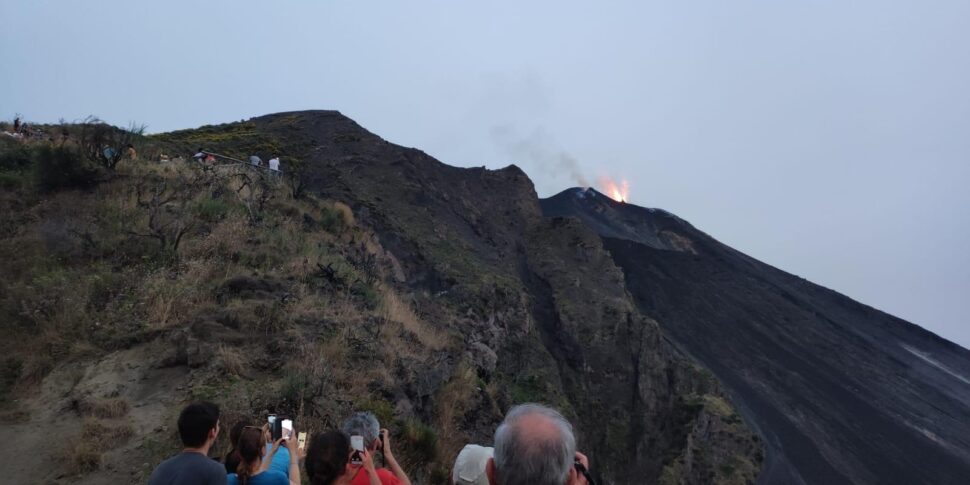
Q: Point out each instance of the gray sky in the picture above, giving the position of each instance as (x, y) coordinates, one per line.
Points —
(828, 138)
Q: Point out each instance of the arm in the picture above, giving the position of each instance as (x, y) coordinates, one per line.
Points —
(294, 448)
(389, 456)
(268, 457)
(368, 460)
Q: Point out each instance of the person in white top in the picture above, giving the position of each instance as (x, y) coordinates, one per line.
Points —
(470, 465)
(274, 164)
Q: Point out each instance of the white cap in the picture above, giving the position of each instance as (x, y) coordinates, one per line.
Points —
(470, 465)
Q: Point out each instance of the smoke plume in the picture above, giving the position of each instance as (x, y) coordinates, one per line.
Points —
(537, 150)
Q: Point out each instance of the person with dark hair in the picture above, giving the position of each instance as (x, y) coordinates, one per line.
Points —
(232, 458)
(328, 461)
(253, 468)
(280, 460)
(365, 425)
(198, 427)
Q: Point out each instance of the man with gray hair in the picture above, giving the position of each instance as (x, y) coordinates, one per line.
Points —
(535, 445)
(365, 425)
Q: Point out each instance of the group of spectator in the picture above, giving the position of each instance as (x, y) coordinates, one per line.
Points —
(204, 156)
(534, 445)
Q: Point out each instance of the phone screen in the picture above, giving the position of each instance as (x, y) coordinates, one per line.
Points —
(357, 443)
(301, 440)
(275, 428)
(287, 428)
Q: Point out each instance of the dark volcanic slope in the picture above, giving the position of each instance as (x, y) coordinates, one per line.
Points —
(841, 392)
(538, 308)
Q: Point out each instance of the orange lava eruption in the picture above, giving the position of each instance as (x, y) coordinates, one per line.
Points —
(619, 192)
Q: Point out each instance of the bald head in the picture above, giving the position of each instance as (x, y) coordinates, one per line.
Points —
(534, 445)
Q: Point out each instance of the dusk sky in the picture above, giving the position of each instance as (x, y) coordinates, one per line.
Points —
(828, 138)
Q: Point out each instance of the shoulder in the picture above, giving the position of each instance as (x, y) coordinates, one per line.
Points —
(232, 479)
(272, 477)
(387, 478)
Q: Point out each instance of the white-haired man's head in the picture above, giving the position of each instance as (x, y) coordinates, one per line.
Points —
(534, 445)
(364, 424)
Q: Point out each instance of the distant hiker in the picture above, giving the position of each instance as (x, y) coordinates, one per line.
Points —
(470, 465)
(198, 428)
(203, 156)
(328, 461)
(250, 471)
(274, 164)
(16, 125)
(255, 161)
(535, 445)
(365, 424)
(130, 152)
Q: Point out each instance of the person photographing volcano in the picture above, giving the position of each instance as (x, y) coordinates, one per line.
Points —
(535, 445)
(366, 434)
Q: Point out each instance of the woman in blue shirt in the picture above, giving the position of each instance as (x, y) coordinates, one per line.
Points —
(253, 469)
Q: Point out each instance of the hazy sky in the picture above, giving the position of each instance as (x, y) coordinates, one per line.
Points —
(828, 138)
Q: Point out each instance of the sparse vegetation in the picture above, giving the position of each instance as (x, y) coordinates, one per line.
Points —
(104, 408)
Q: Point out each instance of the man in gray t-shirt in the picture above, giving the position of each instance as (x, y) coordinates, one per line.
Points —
(189, 468)
(198, 428)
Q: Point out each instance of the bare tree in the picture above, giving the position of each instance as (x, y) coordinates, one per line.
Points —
(105, 144)
(168, 204)
(254, 190)
(296, 177)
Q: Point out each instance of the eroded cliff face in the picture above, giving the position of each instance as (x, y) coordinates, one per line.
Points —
(436, 297)
(643, 411)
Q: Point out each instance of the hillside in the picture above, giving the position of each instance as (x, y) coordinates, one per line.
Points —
(840, 392)
(371, 276)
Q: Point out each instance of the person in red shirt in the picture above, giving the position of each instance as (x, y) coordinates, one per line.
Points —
(365, 424)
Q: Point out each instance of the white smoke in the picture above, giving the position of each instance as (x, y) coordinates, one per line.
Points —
(539, 151)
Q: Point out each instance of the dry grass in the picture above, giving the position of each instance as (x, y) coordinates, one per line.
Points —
(395, 309)
(81, 457)
(231, 360)
(346, 214)
(83, 454)
(105, 437)
(104, 408)
(170, 297)
(453, 402)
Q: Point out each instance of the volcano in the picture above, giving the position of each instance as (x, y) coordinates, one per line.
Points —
(839, 391)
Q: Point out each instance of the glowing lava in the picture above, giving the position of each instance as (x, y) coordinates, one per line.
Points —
(619, 192)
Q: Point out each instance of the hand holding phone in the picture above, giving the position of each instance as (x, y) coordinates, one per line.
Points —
(357, 443)
(286, 429)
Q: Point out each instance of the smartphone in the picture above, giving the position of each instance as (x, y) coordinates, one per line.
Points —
(275, 427)
(287, 429)
(357, 443)
(301, 440)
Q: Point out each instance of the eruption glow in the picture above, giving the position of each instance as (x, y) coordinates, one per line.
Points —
(619, 192)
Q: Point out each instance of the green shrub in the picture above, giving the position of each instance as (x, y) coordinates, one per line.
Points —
(420, 440)
(11, 180)
(212, 210)
(16, 157)
(61, 167)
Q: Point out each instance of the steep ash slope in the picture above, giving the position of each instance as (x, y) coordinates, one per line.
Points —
(841, 392)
